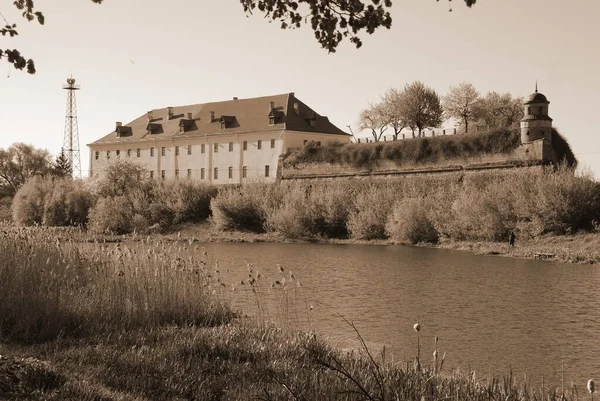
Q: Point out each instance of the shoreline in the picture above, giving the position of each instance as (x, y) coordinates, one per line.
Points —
(575, 248)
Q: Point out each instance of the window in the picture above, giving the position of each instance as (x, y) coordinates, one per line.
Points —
(151, 152)
(176, 150)
(223, 125)
(244, 172)
(152, 174)
(529, 110)
(216, 173)
(272, 143)
(162, 151)
(128, 152)
(202, 148)
(304, 142)
(259, 144)
(540, 110)
(162, 174)
(216, 147)
(108, 154)
(267, 170)
(230, 172)
(97, 155)
(189, 149)
(271, 120)
(118, 152)
(202, 173)
(138, 152)
(176, 174)
(189, 173)
(231, 146)
(181, 129)
(245, 145)
(319, 142)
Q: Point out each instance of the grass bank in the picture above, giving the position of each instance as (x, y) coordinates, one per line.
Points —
(118, 323)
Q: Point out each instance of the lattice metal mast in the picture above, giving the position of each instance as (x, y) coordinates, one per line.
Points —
(71, 138)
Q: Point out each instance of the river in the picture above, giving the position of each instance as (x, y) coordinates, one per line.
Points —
(490, 313)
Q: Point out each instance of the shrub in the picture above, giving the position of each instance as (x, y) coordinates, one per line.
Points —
(189, 200)
(409, 222)
(28, 203)
(111, 215)
(119, 178)
(161, 216)
(370, 212)
(328, 209)
(291, 217)
(245, 207)
(5, 212)
(68, 204)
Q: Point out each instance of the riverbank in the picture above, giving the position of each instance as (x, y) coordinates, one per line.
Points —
(576, 248)
(112, 322)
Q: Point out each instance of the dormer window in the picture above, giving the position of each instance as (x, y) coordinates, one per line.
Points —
(153, 128)
(185, 124)
(312, 120)
(274, 117)
(271, 120)
(226, 121)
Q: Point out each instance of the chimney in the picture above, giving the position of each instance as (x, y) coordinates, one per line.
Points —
(296, 108)
(212, 116)
(169, 113)
(189, 115)
(150, 117)
(235, 98)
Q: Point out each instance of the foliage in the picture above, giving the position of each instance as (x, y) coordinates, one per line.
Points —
(20, 162)
(27, 9)
(112, 215)
(409, 152)
(498, 110)
(62, 166)
(410, 223)
(563, 149)
(421, 107)
(370, 212)
(331, 21)
(244, 208)
(52, 202)
(118, 178)
(460, 103)
(189, 200)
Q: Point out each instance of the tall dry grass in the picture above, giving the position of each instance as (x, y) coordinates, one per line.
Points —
(53, 288)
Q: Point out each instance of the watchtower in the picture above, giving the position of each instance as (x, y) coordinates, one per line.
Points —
(536, 124)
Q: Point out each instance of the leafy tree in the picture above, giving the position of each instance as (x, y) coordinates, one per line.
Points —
(499, 110)
(331, 20)
(421, 107)
(461, 102)
(62, 166)
(119, 178)
(373, 119)
(20, 162)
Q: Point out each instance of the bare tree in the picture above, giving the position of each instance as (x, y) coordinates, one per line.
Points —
(391, 110)
(372, 119)
(421, 107)
(461, 102)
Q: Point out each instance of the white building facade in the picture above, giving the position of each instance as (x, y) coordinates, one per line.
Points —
(227, 142)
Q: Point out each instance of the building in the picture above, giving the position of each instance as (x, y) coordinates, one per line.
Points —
(536, 129)
(221, 142)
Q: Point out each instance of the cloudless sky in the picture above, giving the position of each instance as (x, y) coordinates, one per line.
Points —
(131, 56)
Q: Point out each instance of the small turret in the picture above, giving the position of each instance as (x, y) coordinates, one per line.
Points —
(536, 124)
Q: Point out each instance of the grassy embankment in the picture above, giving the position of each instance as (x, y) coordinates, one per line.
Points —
(545, 207)
(119, 323)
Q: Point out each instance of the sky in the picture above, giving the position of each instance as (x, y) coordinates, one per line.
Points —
(131, 56)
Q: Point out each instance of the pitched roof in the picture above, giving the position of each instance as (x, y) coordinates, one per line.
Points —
(240, 115)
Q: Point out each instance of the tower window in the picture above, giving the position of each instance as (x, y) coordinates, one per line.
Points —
(540, 110)
(529, 110)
